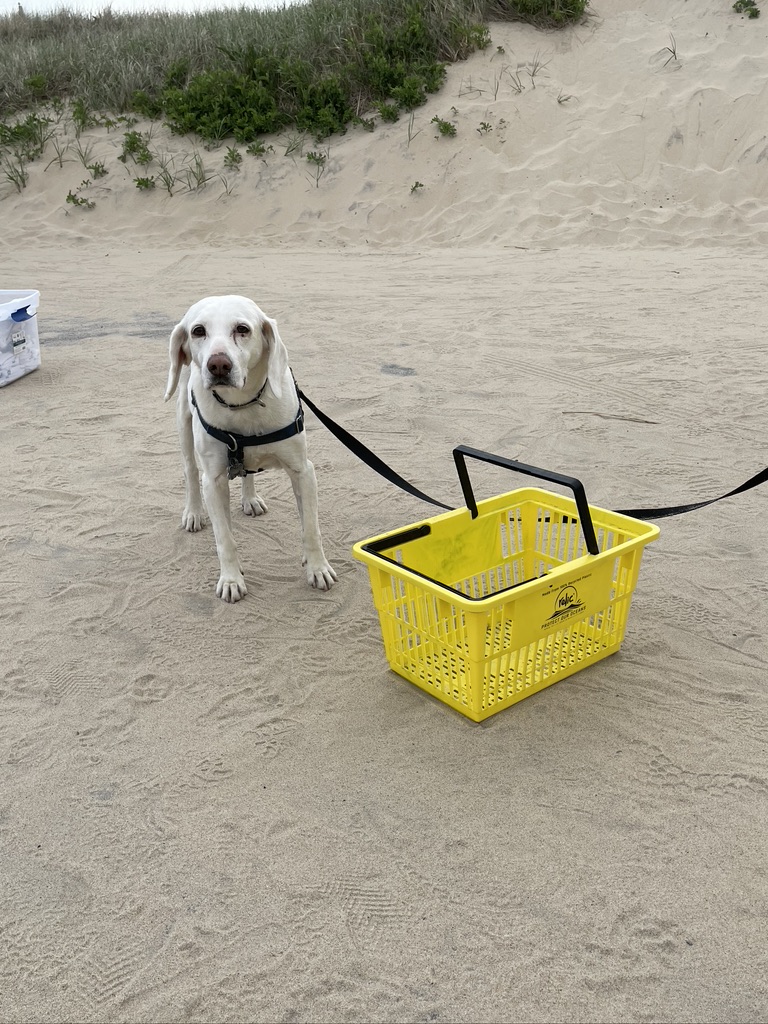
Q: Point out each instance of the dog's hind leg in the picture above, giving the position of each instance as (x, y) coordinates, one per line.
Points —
(253, 504)
(192, 517)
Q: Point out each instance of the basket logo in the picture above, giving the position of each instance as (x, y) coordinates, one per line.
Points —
(567, 602)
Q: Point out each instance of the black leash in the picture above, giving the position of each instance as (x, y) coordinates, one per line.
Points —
(367, 456)
(370, 459)
(678, 510)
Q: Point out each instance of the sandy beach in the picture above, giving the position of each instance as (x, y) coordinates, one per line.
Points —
(214, 812)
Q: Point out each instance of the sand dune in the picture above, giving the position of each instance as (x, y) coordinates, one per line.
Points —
(598, 135)
(238, 813)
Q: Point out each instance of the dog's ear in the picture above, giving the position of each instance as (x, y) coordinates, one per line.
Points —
(277, 367)
(179, 356)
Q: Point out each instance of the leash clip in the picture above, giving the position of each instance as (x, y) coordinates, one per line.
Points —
(236, 464)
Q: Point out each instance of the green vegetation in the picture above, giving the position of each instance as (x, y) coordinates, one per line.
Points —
(445, 128)
(233, 159)
(136, 146)
(244, 73)
(748, 7)
(318, 165)
(307, 71)
(97, 169)
(76, 199)
(27, 138)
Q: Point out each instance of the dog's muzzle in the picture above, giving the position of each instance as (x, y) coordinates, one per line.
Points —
(215, 380)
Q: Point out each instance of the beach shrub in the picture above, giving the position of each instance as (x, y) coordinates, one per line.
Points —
(537, 12)
(38, 86)
(412, 91)
(380, 59)
(318, 163)
(136, 146)
(220, 103)
(445, 128)
(177, 73)
(146, 105)
(26, 138)
(388, 112)
(323, 107)
(258, 148)
(82, 116)
(76, 199)
(748, 7)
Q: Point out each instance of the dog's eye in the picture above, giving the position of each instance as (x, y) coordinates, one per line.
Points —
(242, 330)
(198, 331)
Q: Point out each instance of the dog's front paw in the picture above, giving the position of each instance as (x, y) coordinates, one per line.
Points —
(231, 588)
(192, 519)
(321, 576)
(254, 505)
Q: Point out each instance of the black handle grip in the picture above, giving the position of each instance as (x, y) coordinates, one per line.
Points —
(461, 452)
(403, 537)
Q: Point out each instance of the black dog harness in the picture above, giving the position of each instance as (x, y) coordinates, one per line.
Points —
(237, 443)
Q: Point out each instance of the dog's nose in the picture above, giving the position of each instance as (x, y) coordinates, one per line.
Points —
(219, 365)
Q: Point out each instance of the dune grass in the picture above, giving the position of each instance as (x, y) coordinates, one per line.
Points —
(243, 72)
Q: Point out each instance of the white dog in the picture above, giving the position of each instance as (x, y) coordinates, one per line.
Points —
(238, 412)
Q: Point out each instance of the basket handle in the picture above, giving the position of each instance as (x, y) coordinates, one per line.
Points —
(462, 451)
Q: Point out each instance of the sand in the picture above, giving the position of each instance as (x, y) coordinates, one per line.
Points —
(238, 813)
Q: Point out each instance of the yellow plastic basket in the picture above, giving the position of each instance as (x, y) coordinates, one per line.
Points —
(485, 605)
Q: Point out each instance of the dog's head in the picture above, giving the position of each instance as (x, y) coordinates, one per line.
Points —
(226, 336)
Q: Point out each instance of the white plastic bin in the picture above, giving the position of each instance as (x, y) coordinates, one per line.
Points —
(19, 340)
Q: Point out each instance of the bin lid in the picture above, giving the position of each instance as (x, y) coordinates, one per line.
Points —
(18, 305)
